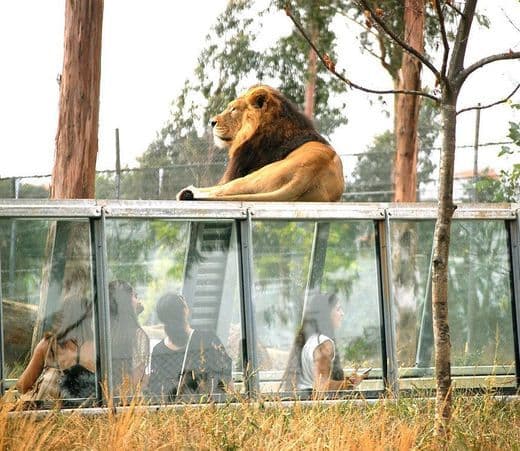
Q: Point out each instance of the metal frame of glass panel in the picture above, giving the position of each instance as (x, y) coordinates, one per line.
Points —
(514, 236)
(244, 213)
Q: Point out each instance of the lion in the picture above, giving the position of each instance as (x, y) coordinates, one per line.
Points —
(275, 153)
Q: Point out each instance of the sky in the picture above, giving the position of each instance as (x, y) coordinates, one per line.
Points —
(151, 47)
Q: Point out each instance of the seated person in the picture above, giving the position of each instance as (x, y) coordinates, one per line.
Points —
(130, 344)
(186, 361)
(314, 364)
(63, 363)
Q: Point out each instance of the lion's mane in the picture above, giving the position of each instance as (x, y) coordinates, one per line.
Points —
(272, 127)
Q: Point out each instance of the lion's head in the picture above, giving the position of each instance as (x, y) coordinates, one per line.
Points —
(240, 120)
(259, 127)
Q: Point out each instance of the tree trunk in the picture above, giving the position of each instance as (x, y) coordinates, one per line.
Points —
(441, 243)
(312, 71)
(405, 166)
(74, 172)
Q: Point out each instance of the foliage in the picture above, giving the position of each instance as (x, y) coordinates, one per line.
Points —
(287, 61)
(361, 349)
(480, 292)
(135, 248)
(231, 62)
(28, 258)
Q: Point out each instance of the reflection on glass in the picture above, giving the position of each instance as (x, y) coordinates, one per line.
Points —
(197, 260)
(22, 257)
(129, 342)
(291, 260)
(187, 361)
(47, 295)
(479, 294)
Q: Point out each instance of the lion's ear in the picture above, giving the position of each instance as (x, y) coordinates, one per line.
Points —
(258, 98)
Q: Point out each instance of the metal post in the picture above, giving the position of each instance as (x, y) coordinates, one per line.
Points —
(101, 308)
(392, 368)
(514, 234)
(475, 155)
(249, 354)
(12, 243)
(118, 166)
(2, 380)
(160, 175)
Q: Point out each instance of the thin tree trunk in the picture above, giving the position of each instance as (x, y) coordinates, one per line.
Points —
(312, 71)
(441, 243)
(73, 175)
(407, 118)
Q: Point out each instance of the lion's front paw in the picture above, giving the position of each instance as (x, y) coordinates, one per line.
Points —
(186, 193)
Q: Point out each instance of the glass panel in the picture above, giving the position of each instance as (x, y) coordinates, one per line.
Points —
(47, 287)
(150, 264)
(343, 263)
(480, 304)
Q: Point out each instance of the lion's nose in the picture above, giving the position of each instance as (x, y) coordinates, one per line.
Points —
(213, 122)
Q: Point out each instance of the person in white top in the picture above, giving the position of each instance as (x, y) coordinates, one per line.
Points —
(313, 362)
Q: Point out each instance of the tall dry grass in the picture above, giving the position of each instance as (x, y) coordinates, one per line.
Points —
(480, 423)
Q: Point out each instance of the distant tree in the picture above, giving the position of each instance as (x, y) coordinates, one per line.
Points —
(230, 63)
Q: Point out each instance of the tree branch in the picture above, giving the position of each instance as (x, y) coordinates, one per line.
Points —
(489, 59)
(483, 107)
(384, 63)
(457, 10)
(444, 38)
(461, 41)
(398, 40)
(510, 21)
(329, 64)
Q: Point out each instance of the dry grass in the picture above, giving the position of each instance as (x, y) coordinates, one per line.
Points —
(480, 423)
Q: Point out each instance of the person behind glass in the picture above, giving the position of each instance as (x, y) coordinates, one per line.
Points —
(70, 349)
(130, 344)
(314, 363)
(186, 361)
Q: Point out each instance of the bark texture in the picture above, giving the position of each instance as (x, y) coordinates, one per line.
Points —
(73, 175)
(451, 86)
(441, 244)
(407, 117)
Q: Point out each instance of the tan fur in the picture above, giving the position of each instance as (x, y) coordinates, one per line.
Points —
(311, 171)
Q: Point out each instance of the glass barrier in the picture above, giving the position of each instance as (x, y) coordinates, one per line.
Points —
(170, 308)
(480, 308)
(339, 258)
(48, 312)
(167, 279)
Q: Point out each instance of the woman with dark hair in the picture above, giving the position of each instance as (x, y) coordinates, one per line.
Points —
(186, 361)
(314, 363)
(67, 356)
(130, 344)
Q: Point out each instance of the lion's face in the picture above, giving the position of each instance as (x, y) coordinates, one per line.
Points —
(241, 118)
(227, 124)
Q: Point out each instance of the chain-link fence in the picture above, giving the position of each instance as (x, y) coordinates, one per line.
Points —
(165, 182)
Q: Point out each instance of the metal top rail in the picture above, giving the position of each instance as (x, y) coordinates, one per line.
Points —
(45, 208)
